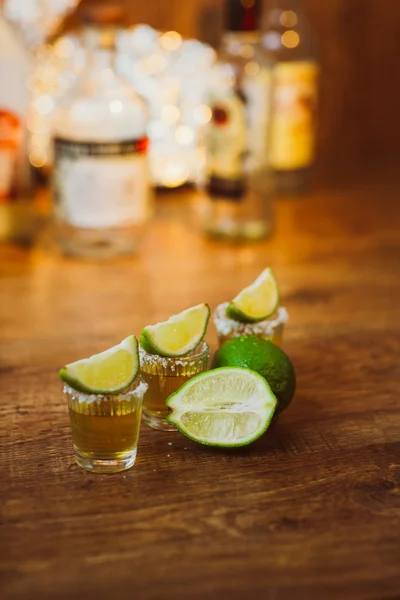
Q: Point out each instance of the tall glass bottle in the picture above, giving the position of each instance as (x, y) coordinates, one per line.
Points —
(16, 65)
(288, 38)
(101, 180)
(238, 175)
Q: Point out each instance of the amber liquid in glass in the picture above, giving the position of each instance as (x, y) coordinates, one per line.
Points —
(160, 387)
(164, 376)
(106, 430)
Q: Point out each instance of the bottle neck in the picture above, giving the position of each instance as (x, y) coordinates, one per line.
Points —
(99, 43)
(283, 14)
(282, 5)
(242, 15)
(286, 32)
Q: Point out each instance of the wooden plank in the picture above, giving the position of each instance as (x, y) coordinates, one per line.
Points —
(311, 509)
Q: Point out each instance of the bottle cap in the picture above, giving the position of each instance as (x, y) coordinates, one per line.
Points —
(243, 15)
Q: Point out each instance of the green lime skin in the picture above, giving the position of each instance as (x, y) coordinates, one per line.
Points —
(264, 357)
(237, 315)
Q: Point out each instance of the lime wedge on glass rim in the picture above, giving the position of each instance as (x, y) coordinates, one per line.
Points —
(256, 302)
(109, 372)
(228, 407)
(178, 336)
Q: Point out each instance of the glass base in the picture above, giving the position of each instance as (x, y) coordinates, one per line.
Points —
(292, 183)
(248, 219)
(97, 243)
(238, 231)
(157, 422)
(109, 465)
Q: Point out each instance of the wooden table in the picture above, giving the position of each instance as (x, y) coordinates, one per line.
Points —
(311, 510)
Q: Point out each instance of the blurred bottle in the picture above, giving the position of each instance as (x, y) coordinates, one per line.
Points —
(238, 174)
(288, 38)
(101, 181)
(15, 67)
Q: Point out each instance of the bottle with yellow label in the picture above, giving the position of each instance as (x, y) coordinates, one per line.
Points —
(238, 179)
(288, 37)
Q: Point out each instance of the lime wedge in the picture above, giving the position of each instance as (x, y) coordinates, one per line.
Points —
(179, 335)
(109, 372)
(257, 301)
(228, 407)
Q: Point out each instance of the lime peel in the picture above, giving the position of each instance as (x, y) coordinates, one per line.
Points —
(265, 358)
(256, 302)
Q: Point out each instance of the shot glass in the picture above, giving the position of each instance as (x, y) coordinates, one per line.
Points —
(269, 329)
(105, 428)
(164, 376)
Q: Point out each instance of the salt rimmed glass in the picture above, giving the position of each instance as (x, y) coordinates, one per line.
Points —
(269, 329)
(164, 376)
(105, 428)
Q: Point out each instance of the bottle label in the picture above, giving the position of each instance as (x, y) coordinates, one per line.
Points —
(99, 185)
(10, 139)
(257, 90)
(227, 145)
(293, 120)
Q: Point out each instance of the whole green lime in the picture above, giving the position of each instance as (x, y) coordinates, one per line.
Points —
(265, 358)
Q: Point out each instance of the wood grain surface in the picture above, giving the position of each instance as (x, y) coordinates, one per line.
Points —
(311, 510)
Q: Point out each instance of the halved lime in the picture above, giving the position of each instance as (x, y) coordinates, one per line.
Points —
(179, 335)
(109, 372)
(256, 302)
(228, 407)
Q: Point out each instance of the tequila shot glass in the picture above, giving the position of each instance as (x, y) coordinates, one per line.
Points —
(269, 329)
(164, 376)
(105, 428)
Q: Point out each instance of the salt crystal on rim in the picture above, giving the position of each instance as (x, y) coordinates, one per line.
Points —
(171, 362)
(137, 392)
(227, 326)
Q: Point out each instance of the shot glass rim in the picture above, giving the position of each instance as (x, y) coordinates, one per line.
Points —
(136, 391)
(198, 353)
(225, 325)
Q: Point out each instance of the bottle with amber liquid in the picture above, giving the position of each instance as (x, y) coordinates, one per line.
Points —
(101, 185)
(238, 182)
(288, 38)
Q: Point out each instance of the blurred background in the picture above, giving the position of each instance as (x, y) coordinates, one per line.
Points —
(175, 55)
(358, 44)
